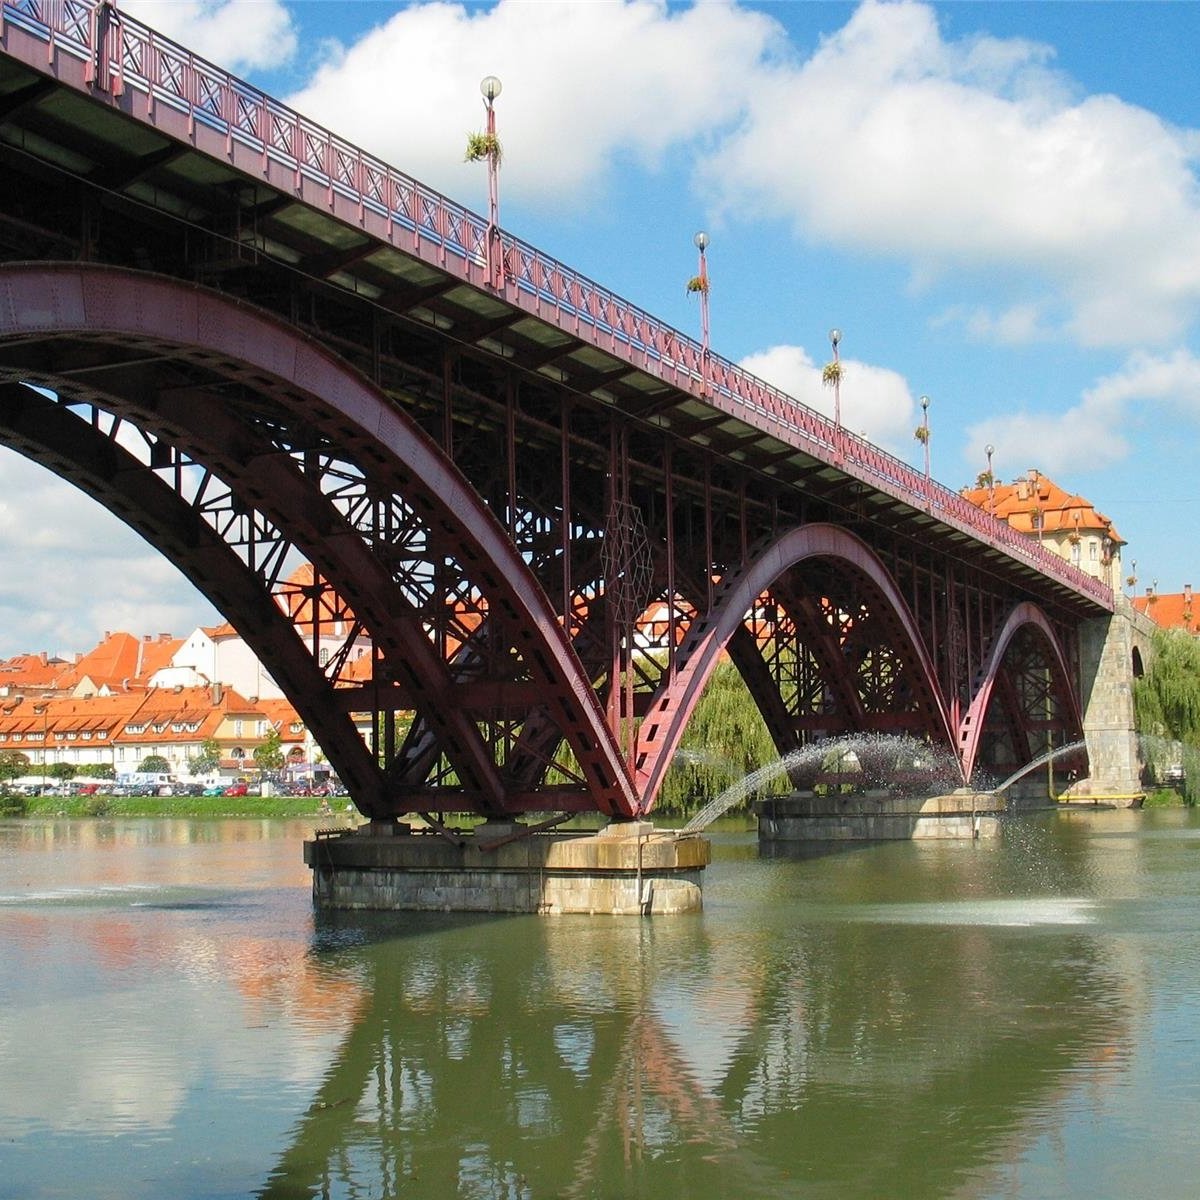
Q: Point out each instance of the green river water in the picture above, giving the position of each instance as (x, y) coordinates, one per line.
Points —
(1005, 1019)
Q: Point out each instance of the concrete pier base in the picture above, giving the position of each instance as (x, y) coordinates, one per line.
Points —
(878, 816)
(627, 869)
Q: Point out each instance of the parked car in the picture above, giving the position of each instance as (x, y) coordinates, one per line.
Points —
(236, 789)
(217, 789)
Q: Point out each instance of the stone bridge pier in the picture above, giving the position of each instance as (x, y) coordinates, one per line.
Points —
(1112, 652)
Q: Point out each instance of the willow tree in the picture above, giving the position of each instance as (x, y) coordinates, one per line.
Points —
(1166, 702)
(726, 738)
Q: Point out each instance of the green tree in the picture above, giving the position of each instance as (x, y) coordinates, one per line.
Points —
(13, 764)
(154, 763)
(725, 740)
(1166, 703)
(61, 771)
(268, 754)
(209, 758)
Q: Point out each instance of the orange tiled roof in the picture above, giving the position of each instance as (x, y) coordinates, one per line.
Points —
(282, 716)
(1061, 511)
(30, 672)
(120, 662)
(308, 598)
(1171, 610)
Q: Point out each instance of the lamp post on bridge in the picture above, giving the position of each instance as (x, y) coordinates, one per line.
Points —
(701, 285)
(989, 450)
(833, 374)
(923, 434)
(490, 87)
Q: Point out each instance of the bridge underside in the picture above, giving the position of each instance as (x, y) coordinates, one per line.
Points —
(528, 552)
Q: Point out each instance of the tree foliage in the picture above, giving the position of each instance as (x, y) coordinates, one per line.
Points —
(154, 763)
(13, 764)
(1166, 701)
(725, 740)
(268, 754)
(209, 758)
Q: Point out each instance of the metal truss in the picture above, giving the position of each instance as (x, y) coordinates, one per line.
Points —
(284, 455)
(1023, 702)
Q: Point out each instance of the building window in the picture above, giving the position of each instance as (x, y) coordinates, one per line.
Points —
(323, 657)
(1075, 553)
(1093, 549)
(237, 728)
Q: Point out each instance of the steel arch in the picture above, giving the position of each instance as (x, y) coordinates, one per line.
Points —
(41, 430)
(244, 346)
(1025, 615)
(672, 705)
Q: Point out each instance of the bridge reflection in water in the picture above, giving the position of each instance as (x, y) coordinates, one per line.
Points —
(829, 1043)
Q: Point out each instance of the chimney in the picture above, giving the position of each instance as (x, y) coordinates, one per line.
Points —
(165, 637)
(216, 694)
(1187, 594)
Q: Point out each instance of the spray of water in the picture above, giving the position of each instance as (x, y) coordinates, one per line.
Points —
(1050, 756)
(866, 760)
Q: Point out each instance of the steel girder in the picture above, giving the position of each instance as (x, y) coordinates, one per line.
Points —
(283, 450)
(723, 626)
(1027, 669)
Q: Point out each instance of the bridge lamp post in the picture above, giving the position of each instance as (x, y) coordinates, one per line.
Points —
(490, 87)
(925, 437)
(700, 283)
(989, 450)
(835, 339)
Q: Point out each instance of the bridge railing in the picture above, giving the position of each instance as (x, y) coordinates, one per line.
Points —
(122, 53)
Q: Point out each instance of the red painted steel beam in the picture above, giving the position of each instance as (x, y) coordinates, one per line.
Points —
(1026, 615)
(733, 598)
(41, 302)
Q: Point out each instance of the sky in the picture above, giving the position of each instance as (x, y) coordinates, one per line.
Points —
(996, 203)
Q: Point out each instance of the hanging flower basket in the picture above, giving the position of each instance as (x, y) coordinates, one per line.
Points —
(1073, 538)
(832, 374)
(921, 433)
(697, 283)
(482, 145)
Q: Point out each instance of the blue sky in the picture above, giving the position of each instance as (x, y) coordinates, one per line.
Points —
(996, 203)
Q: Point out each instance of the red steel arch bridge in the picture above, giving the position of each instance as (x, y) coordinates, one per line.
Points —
(546, 513)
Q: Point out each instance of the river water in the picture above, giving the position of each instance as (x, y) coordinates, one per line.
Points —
(1015, 1018)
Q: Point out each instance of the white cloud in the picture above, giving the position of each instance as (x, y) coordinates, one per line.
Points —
(237, 34)
(69, 570)
(969, 161)
(875, 401)
(1095, 433)
(972, 160)
(584, 84)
